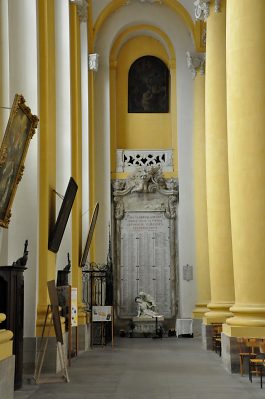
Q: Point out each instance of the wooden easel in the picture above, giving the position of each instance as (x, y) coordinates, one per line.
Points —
(55, 320)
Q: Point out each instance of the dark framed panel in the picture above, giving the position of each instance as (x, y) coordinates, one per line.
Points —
(148, 86)
(90, 235)
(57, 231)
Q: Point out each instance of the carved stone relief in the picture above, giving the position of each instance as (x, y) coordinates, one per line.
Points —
(145, 243)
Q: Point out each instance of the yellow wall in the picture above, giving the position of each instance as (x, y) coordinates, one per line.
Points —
(47, 138)
(136, 130)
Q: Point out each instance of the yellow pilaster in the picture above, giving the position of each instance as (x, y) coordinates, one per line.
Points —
(246, 145)
(6, 343)
(76, 126)
(218, 207)
(201, 228)
(47, 137)
(92, 200)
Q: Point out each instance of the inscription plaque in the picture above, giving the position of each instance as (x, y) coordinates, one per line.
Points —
(145, 261)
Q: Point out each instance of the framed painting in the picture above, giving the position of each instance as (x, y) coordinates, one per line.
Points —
(148, 86)
(19, 131)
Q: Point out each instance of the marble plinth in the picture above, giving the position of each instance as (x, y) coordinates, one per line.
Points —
(7, 372)
(146, 326)
(230, 355)
(207, 334)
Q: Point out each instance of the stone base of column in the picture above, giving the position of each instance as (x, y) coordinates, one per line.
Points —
(51, 362)
(200, 310)
(244, 331)
(7, 373)
(83, 337)
(218, 313)
(207, 333)
(230, 354)
(197, 327)
(29, 355)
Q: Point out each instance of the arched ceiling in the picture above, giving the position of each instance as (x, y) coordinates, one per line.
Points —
(103, 9)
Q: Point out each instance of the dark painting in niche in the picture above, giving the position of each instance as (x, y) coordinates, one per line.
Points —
(148, 86)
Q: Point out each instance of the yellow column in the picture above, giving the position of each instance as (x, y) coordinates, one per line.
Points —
(218, 207)
(47, 153)
(90, 40)
(76, 126)
(246, 145)
(6, 342)
(196, 62)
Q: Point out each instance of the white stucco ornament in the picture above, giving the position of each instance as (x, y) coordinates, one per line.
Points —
(93, 62)
(195, 62)
(202, 8)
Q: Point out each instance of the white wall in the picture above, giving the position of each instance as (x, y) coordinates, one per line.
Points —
(85, 133)
(173, 26)
(63, 119)
(24, 80)
(4, 102)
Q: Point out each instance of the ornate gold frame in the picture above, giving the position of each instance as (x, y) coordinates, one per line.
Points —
(19, 131)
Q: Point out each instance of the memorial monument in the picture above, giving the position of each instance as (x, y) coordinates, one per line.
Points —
(145, 243)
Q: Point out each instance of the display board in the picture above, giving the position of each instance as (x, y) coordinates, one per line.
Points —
(74, 315)
(102, 313)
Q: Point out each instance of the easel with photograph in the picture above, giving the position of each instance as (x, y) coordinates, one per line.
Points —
(55, 321)
(103, 314)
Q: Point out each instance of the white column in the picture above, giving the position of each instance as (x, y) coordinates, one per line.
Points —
(63, 119)
(4, 102)
(24, 80)
(85, 144)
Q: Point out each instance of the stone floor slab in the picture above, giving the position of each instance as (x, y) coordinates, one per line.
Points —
(143, 368)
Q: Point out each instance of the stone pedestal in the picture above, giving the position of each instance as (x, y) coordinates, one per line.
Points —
(197, 327)
(230, 354)
(84, 336)
(207, 333)
(29, 355)
(146, 326)
(51, 362)
(7, 372)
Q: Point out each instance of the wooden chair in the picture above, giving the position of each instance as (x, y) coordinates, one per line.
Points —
(246, 351)
(257, 365)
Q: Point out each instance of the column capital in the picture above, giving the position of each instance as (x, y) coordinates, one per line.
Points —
(93, 62)
(202, 8)
(82, 6)
(195, 62)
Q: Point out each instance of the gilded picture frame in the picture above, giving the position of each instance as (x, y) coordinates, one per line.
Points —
(19, 131)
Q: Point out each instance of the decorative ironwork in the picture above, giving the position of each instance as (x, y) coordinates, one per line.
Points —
(126, 160)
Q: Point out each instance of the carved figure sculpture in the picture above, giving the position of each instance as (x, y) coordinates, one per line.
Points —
(145, 305)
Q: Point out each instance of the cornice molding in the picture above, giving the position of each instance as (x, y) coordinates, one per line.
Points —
(195, 62)
(202, 8)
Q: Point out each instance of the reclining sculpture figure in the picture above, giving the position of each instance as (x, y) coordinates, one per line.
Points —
(145, 305)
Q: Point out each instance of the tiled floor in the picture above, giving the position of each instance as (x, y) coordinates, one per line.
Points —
(143, 368)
